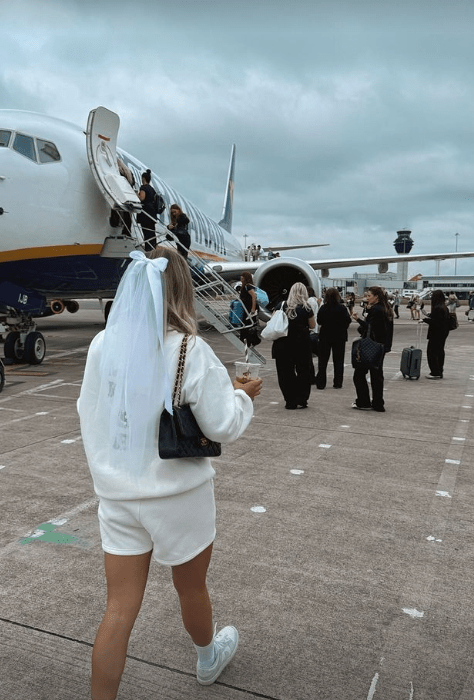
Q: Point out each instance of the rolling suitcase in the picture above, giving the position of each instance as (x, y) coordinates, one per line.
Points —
(410, 365)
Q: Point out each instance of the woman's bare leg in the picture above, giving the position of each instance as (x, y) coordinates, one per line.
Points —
(190, 582)
(126, 581)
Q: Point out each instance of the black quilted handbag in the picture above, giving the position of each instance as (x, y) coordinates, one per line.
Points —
(179, 434)
(367, 353)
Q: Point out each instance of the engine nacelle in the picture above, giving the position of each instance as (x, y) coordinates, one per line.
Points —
(382, 268)
(57, 306)
(325, 272)
(277, 276)
(72, 306)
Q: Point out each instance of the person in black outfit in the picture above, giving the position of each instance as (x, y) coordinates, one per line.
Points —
(179, 226)
(333, 319)
(350, 302)
(438, 331)
(248, 297)
(146, 218)
(292, 353)
(380, 318)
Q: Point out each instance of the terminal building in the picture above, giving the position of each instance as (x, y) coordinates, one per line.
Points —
(398, 280)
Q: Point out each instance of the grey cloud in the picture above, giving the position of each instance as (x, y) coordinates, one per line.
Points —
(351, 119)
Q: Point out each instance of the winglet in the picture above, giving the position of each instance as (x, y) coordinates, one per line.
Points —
(226, 221)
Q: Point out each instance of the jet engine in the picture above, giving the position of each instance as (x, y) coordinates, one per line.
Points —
(72, 306)
(382, 268)
(277, 276)
(57, 306)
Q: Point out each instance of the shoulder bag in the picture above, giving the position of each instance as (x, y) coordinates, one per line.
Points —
(179, 434)
(453, 322)
(277, 327)
(367, 353)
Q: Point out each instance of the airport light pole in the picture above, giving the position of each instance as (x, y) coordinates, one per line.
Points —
(455, 259)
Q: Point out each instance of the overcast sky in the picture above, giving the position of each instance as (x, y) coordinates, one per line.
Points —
(352, 119)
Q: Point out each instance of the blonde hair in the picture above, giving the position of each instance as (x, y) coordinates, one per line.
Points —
(179, 292)
(298, 296)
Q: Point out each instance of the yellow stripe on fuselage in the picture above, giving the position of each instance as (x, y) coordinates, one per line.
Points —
(54, 251)
(64, 251)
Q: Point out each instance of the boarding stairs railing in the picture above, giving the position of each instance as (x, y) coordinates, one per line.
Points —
(213, 294)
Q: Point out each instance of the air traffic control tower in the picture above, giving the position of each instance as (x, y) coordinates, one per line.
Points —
(403, 244)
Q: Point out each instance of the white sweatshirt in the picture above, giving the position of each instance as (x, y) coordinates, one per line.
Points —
(222, 413)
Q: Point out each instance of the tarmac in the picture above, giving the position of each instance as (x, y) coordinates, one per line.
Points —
(344, 552)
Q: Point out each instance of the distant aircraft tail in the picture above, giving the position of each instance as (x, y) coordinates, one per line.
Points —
(226, 221)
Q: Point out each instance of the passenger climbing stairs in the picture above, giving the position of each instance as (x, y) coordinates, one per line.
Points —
(213, 294)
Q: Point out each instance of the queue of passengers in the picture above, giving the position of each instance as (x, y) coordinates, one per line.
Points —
(293, 352)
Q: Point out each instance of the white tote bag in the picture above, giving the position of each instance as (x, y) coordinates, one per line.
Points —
(277, 327)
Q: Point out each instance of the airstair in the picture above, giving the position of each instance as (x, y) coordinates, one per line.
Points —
(213, 294)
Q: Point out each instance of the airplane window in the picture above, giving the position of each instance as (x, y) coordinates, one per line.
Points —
(5, 137)
(25, 145)
(47, 151)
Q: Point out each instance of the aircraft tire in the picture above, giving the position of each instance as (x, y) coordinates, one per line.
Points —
(12, 349)
(35, 348)
(2, 376)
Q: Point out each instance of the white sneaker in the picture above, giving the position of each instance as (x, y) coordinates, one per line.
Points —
(225, 644)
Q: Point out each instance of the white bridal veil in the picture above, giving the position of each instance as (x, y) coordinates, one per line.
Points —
(134, 375)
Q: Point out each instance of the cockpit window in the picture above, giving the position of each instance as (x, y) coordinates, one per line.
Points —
(25, 145)
(4, 137)
(47, 151)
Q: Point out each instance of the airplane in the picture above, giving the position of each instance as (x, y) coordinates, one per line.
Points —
(58, 187)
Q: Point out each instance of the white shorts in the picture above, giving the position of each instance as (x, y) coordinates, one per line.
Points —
(177, 528)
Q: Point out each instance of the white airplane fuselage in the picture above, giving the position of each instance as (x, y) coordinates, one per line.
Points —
(56, 220)
(58, 184)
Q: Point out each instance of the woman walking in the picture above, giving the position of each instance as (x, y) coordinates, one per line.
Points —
(333, 320)
(379, 321)
(248, 297)
(292, 353)
(179, 226)
(438, 322)
(147, 505)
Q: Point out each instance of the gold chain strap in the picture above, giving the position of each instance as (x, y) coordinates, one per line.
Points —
(180, 371)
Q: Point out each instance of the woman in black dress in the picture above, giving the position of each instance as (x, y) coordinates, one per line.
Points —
(438, 331)
(380, 318)
(292, 353)
(179, 226)
(248, 297)
(146, 218)
(334, 320)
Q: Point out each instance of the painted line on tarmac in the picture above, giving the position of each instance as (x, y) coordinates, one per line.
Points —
(29, 392)
(65, 353)
(397, 664)
(23, 418)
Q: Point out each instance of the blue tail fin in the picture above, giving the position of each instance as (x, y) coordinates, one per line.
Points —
(226, 221)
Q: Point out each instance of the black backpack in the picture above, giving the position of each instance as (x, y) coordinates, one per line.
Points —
(158, 204)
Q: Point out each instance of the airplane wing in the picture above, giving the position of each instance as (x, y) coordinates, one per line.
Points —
(232, 270)
(295, 247)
